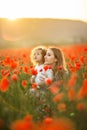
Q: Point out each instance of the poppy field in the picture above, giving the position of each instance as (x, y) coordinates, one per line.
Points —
(62, 107)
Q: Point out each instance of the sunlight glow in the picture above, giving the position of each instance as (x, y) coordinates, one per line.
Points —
(65, 9)
(12, 18)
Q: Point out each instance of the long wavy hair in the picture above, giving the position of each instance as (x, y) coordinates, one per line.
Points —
(59, 67)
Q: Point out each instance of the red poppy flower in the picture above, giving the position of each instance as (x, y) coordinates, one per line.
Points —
(14, 77)
(25, 69)
(48, 120)
(72, 80)
(13, 64)
(48, 81)
(24, 83)
(82, 59)
(71, 94)
(21, 125)
(60, 67)
(34, 72)
(83, 90)
(34, 86)
(54, 89)
(58, 97)
(61, 106)
(46, 67)
(4, 84)
(5, 72)
(59, 124)
(81, 106)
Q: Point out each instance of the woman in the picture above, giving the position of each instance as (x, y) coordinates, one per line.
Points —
(55, 58)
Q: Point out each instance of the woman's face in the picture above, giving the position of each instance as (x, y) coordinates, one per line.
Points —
(49, 57)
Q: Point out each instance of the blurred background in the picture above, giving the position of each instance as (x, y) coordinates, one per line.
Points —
(27, 32)
(26, 23)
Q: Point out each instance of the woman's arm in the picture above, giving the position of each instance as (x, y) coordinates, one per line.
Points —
(50, 74)
(43, 76)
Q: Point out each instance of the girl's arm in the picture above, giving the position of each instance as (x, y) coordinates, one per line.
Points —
(32, 79)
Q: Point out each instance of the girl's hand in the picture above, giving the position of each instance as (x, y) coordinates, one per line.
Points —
(32, 79)
(42, 76)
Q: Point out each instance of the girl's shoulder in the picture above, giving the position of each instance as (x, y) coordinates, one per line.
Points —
(39, 67)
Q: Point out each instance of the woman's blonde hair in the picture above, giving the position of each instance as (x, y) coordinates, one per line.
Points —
(38, 48)
(59, 68)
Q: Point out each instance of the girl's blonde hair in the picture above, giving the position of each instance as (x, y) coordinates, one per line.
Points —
(59, 68)
(43, 52)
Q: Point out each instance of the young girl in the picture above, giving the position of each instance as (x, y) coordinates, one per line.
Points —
(37, 58)
(40, 93)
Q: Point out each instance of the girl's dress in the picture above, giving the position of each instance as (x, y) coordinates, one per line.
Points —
(40, 97)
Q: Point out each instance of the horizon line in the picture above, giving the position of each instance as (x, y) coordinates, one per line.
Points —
(72, 19)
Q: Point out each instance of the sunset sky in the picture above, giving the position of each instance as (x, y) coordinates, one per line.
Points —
(65, 9)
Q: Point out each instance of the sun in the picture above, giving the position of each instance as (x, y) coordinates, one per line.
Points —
(12, 18)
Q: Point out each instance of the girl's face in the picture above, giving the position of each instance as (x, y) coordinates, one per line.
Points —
(50, 58)
(38, 56)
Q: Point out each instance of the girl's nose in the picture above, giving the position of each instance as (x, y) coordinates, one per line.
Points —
(34, 57)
